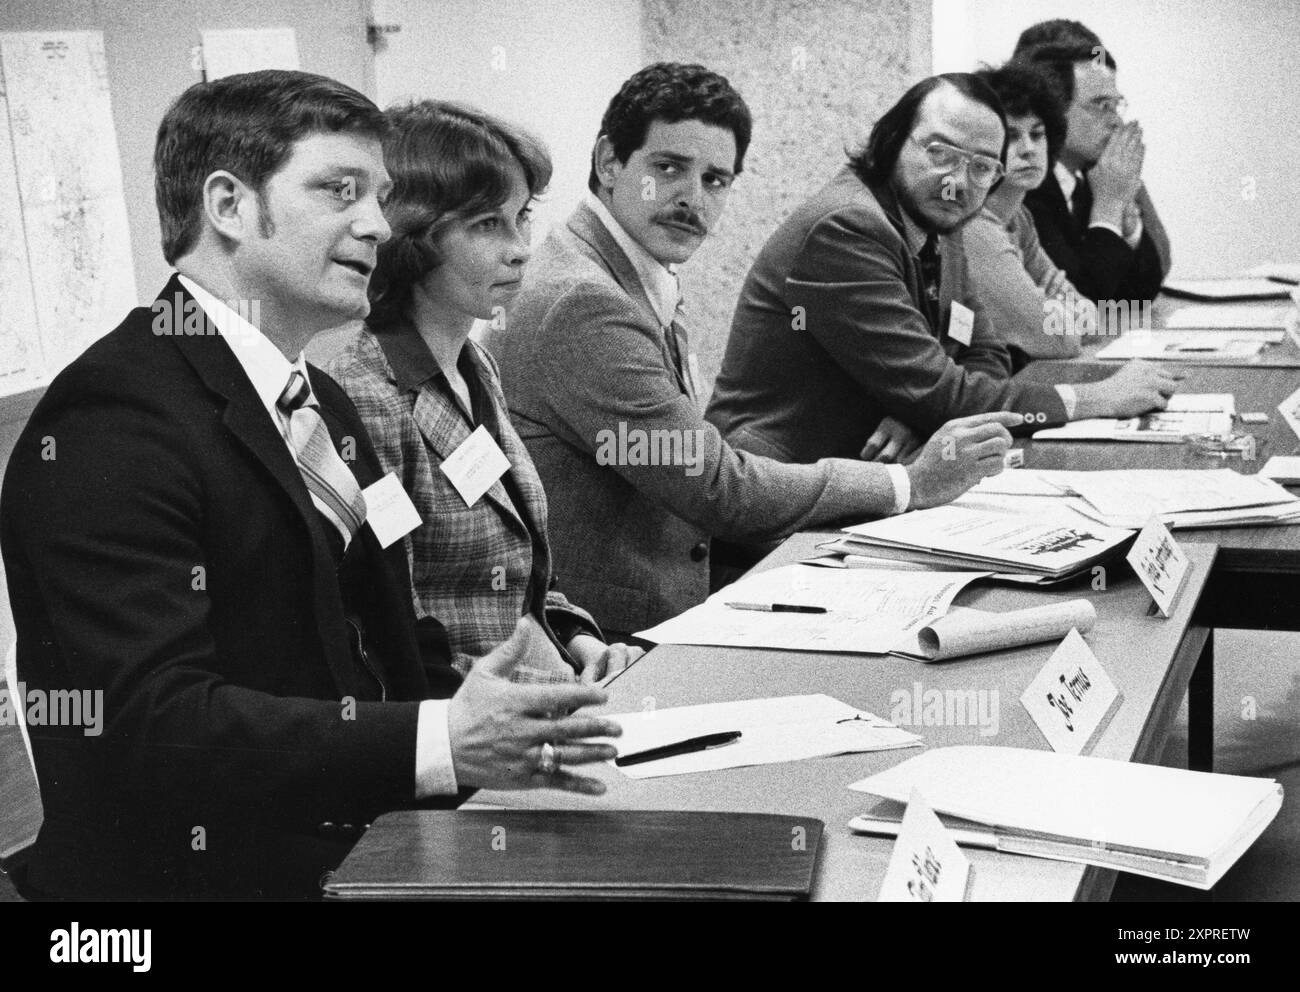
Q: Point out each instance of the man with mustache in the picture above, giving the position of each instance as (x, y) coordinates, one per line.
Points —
(595, 349)
(857, 331)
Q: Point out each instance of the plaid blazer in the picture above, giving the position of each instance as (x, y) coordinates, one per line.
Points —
(476, 569)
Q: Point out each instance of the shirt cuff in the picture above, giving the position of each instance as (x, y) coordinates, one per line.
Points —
(902, 487)
(1069, 399)
(434, 773)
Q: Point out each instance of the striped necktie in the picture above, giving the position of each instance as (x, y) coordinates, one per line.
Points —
(333, 489)
(680, 349)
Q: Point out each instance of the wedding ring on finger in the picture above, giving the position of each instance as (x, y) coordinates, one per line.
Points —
(549, 762)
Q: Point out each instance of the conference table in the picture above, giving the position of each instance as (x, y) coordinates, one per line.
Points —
(1255, 582)
(1150, 659)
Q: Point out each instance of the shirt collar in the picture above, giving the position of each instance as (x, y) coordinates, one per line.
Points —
(658, 281)
(1066, 179)
(267, 369)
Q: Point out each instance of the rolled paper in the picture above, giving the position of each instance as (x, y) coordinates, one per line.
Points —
(964, 631)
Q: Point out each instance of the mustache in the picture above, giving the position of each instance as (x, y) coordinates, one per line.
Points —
(682, 215)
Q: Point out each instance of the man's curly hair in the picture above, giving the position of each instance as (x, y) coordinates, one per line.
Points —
(672, 92)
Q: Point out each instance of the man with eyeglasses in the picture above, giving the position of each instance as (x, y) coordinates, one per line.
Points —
(857, 333)
(1093, 215)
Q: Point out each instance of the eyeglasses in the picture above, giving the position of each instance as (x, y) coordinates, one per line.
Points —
(1104, 106)
(982, 170)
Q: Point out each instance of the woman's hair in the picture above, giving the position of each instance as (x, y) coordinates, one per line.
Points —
(1026, 90)
(447, 161)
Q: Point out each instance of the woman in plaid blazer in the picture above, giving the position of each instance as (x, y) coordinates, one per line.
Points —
(463, 183)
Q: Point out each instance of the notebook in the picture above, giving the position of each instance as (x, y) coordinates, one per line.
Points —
(581, 854)
(1169, 823)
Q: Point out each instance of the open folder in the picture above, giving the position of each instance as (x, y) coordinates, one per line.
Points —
(590, 854)
(1167, 823)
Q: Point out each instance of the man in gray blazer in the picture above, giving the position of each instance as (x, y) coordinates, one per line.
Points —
(603, 389)
(857, 327)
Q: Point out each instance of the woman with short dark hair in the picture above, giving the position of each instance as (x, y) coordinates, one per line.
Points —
(463, 185)
(1030, 302)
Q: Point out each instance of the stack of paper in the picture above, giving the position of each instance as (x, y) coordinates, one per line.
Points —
(1054, 543)
(1226, 290)
(786, 728)
(1231, 347)
(1128, 498)
(862, 612)
(1188, 415)
(1167, 823)
(1228, 316)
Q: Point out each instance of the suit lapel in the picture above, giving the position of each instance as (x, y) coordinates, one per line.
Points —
(595, 241)
(247, 420)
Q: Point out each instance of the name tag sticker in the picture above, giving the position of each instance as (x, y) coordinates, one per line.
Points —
(475, 465)
(1072, 697)
(1160, 563)
(389, 511)
(927, 865)
(961, 322)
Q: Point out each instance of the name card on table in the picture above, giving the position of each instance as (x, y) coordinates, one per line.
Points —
(1160, 563)
(1072, 697)
(927, 865)
(1290, 410)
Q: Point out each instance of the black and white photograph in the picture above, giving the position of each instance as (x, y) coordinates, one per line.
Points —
(570, 452)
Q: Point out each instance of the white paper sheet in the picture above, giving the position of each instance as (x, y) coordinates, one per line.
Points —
(1191, 345)
(869, 611)
(1187, 414)
(785, 728)
(1228, 316)
(227, 52)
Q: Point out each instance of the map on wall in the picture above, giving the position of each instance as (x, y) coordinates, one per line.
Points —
(58, 150)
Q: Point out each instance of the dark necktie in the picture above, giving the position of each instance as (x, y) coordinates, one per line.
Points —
(1081, 203)
(930, 269)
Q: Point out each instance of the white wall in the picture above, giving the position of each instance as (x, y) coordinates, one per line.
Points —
(550, 65)
(1216, 87)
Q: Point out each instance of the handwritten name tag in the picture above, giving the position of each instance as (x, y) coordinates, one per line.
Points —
(1160, 563)
(1071, 697)
(961, 322)
(475, 465)
(389, 511)
(927, 865)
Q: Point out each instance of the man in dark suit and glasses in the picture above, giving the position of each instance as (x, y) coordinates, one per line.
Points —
(186, 528)
(1093, 214)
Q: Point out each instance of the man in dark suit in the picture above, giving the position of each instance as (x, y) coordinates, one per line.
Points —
(602, 387)
(857, 330)
(189, 528)
(1094, 217)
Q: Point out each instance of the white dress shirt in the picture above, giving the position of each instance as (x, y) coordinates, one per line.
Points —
(268, 372)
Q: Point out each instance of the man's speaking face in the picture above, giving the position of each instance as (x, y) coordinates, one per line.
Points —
(938, 199)
(320, 224)
(672, 190)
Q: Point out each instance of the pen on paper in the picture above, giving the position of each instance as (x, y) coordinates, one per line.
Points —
(777, 607)
(688, 746)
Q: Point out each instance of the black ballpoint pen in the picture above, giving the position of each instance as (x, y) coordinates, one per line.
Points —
(689, 746)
